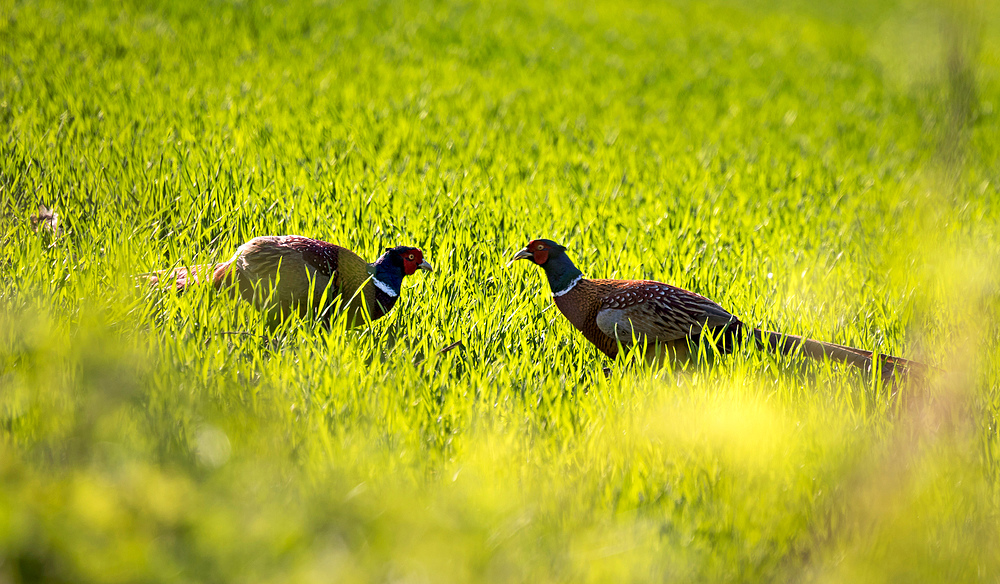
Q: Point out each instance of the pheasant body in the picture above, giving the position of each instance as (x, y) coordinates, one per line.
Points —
(293, 274)
(614, 314)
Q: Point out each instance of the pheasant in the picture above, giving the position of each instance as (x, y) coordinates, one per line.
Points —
(614, 314)
(282, 274)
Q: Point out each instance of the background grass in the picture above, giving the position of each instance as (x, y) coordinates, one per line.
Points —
(824, 170)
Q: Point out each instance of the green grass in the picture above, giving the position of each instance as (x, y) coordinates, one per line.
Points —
(802, 166)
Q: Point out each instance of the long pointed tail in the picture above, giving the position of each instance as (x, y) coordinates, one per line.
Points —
(218, 274)
(787, 344)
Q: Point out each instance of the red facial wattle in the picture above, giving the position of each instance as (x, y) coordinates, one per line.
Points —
(411, 261)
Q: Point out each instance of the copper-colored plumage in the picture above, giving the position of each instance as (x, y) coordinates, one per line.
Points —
(614, 313)
(610, 313)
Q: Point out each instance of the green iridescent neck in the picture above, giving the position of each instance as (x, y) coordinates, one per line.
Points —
(561, 272)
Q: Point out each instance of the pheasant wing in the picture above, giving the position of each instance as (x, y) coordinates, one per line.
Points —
(657, 312)
(261, 257)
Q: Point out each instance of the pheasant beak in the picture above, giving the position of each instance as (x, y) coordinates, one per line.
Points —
(524, 254)
(425, 266)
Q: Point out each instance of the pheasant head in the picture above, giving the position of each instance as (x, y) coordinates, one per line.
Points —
(551, 256)
(397, 262)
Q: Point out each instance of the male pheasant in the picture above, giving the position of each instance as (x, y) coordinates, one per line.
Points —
(657, 316)
(282, 274)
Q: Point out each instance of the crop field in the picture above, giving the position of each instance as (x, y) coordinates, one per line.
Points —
(823, 169)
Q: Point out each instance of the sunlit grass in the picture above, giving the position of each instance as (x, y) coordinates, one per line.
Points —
(801, 165)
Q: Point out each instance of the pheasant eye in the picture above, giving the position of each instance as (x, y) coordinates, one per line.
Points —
(411, 257)
(540, 247)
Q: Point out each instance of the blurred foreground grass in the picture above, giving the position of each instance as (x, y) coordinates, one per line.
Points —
(829, 171)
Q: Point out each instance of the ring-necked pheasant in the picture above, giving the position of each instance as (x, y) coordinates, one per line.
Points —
(290, 273)
(620, 313)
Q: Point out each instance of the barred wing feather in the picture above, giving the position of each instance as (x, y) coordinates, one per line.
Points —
(658, 312)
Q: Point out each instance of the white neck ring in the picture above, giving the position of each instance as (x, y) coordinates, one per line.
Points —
(568, 288)
(384, 287)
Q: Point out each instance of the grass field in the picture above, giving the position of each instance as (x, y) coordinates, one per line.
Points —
(830, 171)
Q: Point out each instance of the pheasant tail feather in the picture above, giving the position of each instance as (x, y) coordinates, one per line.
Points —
(860, 358)
(219, 274)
